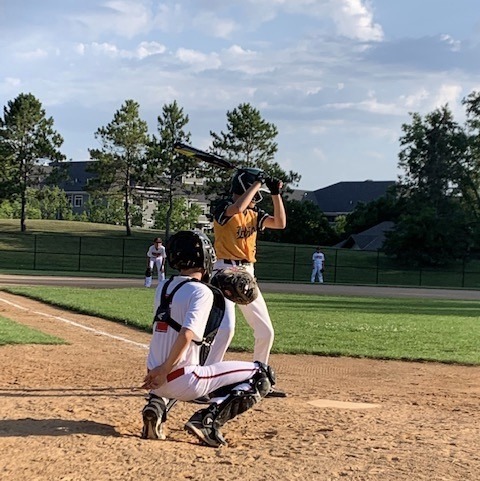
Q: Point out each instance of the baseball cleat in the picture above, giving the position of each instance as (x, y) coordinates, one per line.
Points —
(202, 427)
(276, 393)
(153, 414)
(202, 400)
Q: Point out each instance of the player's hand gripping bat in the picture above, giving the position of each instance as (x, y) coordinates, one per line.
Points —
(203, 156)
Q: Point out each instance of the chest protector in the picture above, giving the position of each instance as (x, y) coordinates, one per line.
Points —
(214, 319)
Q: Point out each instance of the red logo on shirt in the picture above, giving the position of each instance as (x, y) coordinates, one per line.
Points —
(161, 326)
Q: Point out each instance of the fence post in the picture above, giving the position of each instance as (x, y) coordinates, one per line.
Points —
(35, 252)
(420, 276)
(79, 253)
(464, 265)
(378, 266)
(294, 262)
(123, 255)
(335, 268)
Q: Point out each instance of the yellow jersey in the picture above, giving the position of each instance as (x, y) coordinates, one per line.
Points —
(236, 236)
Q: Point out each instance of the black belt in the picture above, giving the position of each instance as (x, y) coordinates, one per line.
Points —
(235, 262)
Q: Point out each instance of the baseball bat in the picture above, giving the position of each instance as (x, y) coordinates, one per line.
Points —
(203, 156)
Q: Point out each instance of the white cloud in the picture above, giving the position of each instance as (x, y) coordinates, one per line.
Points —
(455, 45)
(198, 60)
(105, 48)
(125, 18)
(80, 48)
(354, 19)
(415, 100)
(38, 53)
(214, 25)
(13, 82)
(371, 105)
(145, 49)
(447, 94)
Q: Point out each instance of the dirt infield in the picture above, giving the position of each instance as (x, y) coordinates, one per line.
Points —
(72, 412)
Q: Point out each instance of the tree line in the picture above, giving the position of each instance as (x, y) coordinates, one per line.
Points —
(129, 163)
(435, 203)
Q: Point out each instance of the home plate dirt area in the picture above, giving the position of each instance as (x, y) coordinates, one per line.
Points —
(73, 412)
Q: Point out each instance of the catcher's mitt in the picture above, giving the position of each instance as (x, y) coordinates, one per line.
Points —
(236, 285)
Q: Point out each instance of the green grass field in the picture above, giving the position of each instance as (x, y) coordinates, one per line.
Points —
(13, 333)
(407, 329)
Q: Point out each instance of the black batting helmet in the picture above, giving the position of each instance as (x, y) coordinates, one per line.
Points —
(244, 178)
(188, 248)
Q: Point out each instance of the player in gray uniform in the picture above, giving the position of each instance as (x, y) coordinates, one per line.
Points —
(174, 370)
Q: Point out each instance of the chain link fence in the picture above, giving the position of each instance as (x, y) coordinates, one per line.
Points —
(275, 262)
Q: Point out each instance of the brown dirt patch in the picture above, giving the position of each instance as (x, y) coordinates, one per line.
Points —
(71, 413)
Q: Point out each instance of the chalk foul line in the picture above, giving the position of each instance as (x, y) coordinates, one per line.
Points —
(77, 324)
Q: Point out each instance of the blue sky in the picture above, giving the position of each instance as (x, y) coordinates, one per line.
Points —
(337, 77)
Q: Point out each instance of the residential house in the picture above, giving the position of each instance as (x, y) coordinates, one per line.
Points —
(341, 198)
(369, 240)
(74, 183)
(77, 178)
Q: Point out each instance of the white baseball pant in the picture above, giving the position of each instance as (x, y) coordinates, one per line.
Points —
(257, 316)
(191, 382)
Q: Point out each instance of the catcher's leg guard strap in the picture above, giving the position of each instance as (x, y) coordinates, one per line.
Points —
(157, 404)
(240, 400)
(264, 379)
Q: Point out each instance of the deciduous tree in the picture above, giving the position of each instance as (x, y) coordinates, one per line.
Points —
(182, 215)
(432, 227)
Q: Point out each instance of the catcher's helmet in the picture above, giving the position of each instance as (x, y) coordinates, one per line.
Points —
(244, 178)
(188, 248)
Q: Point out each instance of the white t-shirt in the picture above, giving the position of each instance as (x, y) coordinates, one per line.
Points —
(191, 306)
(318, 258)
(154, 253)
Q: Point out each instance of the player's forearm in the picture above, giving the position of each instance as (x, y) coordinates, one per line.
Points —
(279, 218)
(181, 344)
(241, 204)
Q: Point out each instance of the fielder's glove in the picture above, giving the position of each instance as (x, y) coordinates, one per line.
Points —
(236, 284)
(273, 185)
(148, 272)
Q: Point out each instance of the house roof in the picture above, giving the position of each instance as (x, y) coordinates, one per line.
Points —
(297, 194)
(77, 175)
(343, 197)
(370, 240)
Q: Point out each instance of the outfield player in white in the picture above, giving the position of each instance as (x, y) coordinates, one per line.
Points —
(318, 259)
(155, 258)
(173, 359)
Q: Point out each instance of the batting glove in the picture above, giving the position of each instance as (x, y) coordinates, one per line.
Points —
(273, 185)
